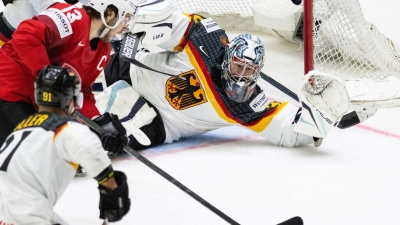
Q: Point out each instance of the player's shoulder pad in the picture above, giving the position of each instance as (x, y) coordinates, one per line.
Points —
(63, 15)
(155, 20)
(47, 121)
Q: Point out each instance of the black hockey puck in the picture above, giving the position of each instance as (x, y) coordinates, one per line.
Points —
(296, 2)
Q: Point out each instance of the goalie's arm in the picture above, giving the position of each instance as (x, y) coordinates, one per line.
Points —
(355, 116)
(278, 127)
(161, 25)
(324, 100)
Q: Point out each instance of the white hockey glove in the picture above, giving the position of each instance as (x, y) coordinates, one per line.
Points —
(324, 100)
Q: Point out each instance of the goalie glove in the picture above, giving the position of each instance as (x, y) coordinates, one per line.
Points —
(324, 100)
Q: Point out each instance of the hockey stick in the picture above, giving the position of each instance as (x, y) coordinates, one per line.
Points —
(280, 86)
(142, 159)
(293, 221)
(137, 155)
(348, 120)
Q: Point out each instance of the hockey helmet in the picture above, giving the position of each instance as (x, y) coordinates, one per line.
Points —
(56, 86)
(243, 61)
(124, 7)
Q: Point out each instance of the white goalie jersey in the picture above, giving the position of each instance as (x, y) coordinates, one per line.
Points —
(196, 103)
(37, 163)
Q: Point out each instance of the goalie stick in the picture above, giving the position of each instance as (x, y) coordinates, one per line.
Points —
(293, 221)
(348, 120)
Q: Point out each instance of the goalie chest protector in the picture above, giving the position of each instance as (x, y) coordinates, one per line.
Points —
(210, 40)
(207, 37)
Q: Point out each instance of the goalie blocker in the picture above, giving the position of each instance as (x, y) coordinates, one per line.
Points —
(324, 100)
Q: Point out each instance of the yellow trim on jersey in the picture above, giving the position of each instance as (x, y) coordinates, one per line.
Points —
(59, 130)
(261, 125)
(75, 165)
(197, 18)
(258, 127)
(209, 93)
(1, 43)
(111, 174)
(178, 47)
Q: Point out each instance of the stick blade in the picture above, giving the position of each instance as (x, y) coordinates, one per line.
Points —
(293, 221)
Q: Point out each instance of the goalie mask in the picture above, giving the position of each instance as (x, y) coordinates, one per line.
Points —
(56, 86)
(127, 11)
(243, 61)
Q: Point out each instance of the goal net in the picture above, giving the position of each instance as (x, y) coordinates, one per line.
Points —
(337, 40)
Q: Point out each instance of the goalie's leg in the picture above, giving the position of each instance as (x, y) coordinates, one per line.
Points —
(134, 112)
(155, 131)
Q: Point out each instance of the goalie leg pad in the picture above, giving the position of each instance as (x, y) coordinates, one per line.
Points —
(133, 111)
(121, 99)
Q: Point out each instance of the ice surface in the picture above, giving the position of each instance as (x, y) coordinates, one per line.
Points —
(351, 179)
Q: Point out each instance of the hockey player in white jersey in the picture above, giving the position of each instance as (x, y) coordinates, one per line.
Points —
(39, 159)
(219, 88)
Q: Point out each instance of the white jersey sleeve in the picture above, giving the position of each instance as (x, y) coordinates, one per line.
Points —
(88, 151)
(280, 128)
(21, 10)
(179, 25)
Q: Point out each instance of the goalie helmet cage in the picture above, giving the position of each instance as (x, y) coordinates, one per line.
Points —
(337, 40)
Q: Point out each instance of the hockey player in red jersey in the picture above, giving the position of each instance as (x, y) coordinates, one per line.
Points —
(39, 159)
(16, 11)
(64, 35)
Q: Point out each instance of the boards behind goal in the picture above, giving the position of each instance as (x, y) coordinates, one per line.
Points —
(337, 40)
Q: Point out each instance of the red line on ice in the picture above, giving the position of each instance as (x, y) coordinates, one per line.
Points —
(378, 131)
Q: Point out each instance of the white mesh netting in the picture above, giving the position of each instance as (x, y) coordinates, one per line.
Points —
(217, 7)
(348, 46)
(229, 14)
(345, 44)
